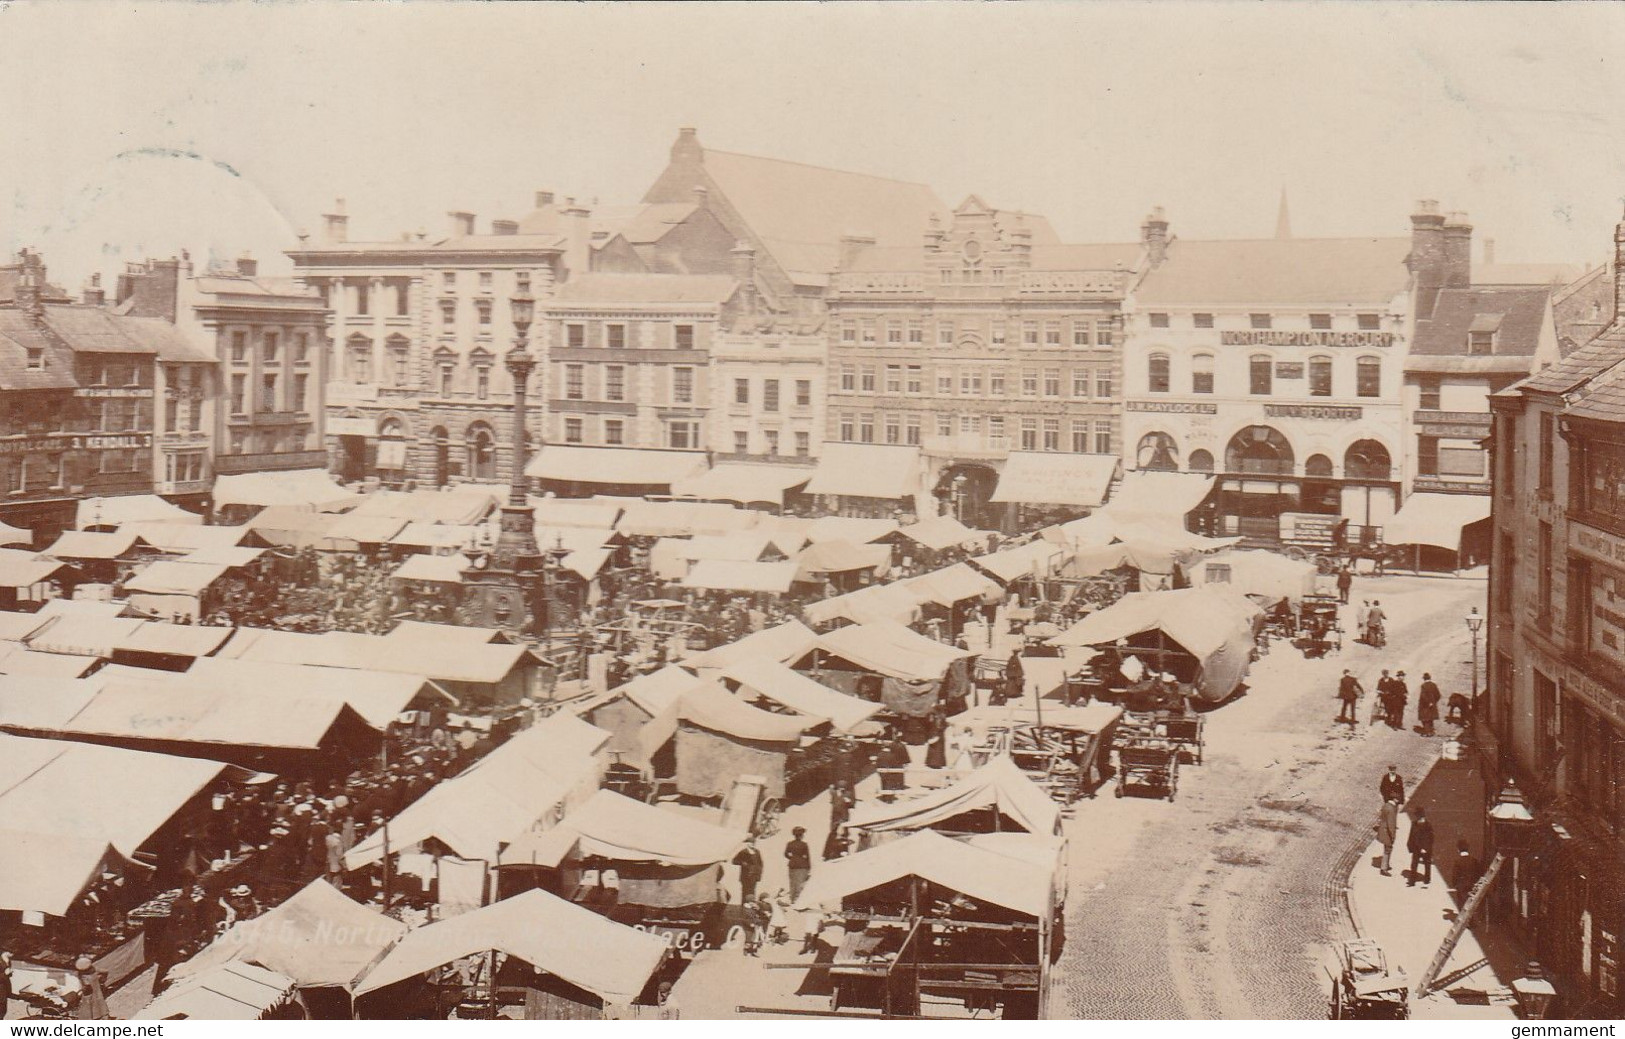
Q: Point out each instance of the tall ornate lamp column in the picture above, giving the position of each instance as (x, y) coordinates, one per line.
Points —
(500, 584)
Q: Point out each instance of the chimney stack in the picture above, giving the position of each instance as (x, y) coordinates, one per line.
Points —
(462, 223)
(504, 227)
(544, 199)
(687, 147)
(578, 238)
(1154, 235)
(1427, 259)
(1458, 252)
(94, 295)
(31, 286)
(1619, 273)
(744, 271)
(247, 266)
(336, 223)
(1489, 251)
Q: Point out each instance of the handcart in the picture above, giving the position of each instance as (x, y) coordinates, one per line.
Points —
(1364, 989)
(1152, 763)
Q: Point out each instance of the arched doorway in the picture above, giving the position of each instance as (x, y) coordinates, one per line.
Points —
(1321, 493)
(1259, 449)
(965, 489)
(1157, 451)
(442, 455)
(482, 452)
(1368, 495)
(392, 451)
(1367, 460)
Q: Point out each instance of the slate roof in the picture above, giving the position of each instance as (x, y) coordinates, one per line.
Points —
(1591, 360)
(646, 288)
(1279, 271)
(1514, 314)
(94, 330)
(17, 336)
(653, 222)
(8, 287)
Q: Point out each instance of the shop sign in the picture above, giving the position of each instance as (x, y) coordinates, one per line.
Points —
(1598, 545)
(1428, 483)
(1171, 407)
(111, 391)
(1272, 337)
(74, 442)
(1599, 694)
(1318, 411)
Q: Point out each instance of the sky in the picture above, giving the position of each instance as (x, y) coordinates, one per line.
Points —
(138, 129)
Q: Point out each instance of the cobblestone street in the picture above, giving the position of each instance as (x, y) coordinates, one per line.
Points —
(1221, 904)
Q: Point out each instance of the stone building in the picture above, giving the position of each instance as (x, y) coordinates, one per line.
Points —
(982, 338)
(1556, 656)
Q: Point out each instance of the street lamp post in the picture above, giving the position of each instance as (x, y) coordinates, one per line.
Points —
(959, 497)
(1475, 622)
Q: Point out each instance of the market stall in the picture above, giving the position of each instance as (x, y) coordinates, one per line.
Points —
(889, 663)
(720, 737)
(995, 797)
(229, 992)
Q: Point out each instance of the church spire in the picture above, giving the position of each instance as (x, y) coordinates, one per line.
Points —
(1283, 219)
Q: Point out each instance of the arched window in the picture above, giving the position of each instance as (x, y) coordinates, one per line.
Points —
(1157, 373)
(1259, 449)
(1320, 376)
(1201, 461)
(1318, 465)
(1260, 375)
(482, 452)
(1367, 460)
(1368, 377)
(1157, 451)
(1202, 374)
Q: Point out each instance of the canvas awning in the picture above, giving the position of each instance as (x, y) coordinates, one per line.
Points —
(19, 660)
(1000, 784)
(301, 488)
(291, 526)
(743, 483)
(867, 471)
(658, 519)
(88, 544)
(576, 512)
(229, 992)
(1435, 519)
(710, 706)
(591, 952)
(351, 531)
(378, 696)
(438, 569)
(1052, 478)
(792, 689)
(16, 626)
(229, 556)
(890, 649)
(950, 585)
(782, 643)
(735, 576)
(185, 537)
(468, 503)
(319, 938)
(1155, 496)
(615, 827)
(10, 535)
(877, 602)
(855, 529)
(181, 640)
(188, 714)
(441, 660)
(1257, 572)
(85, 634)
(120, 509)
(615, 465)
(47, 872)
(436, 536)
(840, 557)
(20, 569)
(940, 532)
(1011, 882)
(1034, 559)
(172, 577)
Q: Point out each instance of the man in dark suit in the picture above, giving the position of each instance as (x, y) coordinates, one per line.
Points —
(1420, 845)
(1392, 787)
(749, 861)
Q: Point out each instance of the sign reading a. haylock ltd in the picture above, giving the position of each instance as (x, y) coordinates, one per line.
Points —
(1272, 337)
(75, 442)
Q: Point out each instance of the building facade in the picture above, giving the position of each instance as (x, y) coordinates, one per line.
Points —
(417, 391)
(1277, 365)
(1556, 660)
(988, 338)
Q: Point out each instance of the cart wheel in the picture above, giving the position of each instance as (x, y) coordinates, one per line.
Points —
(767, 819)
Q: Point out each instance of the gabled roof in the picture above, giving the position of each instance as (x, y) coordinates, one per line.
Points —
(1603, 397)
(653, 222)
(18, 335)
(1285, 272)
(1591, 360)
(1521, 312)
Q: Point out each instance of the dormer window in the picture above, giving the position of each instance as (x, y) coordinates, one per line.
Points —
(36, 359)
(1481, 334)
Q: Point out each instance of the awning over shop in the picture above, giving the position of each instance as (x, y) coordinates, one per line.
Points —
(320, 938)
(1435, 519)
(180, 640)
(1053, 478)
(438, 659)
(436, 569)
(743, 483)
(618, 828)
(1152, 496)
(999, 785)
(792, 689)
(120, 509)
(86, 544)
(575, 512)
(16, 626)
(940, 532)
(1014, 883)
(867, 471)
(172, 577)
(736, 576)
(229, 992)
(302, 488)
(950, 585)
(229, 557)
(620, 466)
(591, 952)
(877, 602)
(291, 526)
(890, 649)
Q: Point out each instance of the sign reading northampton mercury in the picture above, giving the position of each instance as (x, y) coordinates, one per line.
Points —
(1271, 337)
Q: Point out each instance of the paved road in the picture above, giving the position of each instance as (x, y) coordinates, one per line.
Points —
(1221, 904)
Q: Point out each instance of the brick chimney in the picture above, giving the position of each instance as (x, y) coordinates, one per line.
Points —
(1619, 273)
(151, 288)
(578, 238)
(1154, 235)
(744, 272)
(504, 227)
(31, 286)
(851, 246)
(336, 224)
(686, 149)
(94, 295)
(544, 199)
(247, 266)
(1427, 258)
(1458, 252)
(462, 223)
